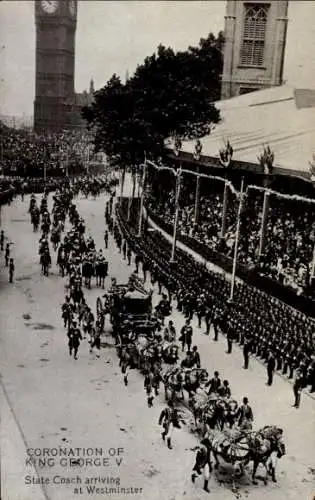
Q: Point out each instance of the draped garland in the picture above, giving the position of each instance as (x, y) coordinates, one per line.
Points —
(294, 197)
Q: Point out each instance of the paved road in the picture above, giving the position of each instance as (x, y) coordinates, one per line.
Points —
(51, 400)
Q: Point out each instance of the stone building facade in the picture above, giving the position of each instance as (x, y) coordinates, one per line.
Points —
(255, 39)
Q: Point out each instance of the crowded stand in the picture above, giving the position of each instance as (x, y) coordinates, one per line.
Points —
(289, 237)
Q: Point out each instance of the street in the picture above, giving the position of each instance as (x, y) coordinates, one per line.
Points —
(49, 400)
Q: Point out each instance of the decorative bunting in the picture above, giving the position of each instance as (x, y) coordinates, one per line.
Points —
(294, 197)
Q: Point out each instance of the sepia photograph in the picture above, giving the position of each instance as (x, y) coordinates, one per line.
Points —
(157, 249)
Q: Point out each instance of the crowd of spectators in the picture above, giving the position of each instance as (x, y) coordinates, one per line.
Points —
(25, 153)
(289, 236)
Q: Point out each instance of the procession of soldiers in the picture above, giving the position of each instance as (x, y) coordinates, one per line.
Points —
(148, 340)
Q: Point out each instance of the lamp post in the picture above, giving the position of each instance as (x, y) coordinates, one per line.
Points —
(238, 225)
(177, 148)
(142, 195)
(197, 155)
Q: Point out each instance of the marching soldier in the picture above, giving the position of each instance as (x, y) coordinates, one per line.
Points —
(7, 254)
(229, 338)
(203, 463)
(169, 419)
(271, 365)
(129, 254)
(245, 414)
(246, 351)
(297, 388)
(186, 335)
(74, 336)
(163, 308)
(195, 356)
(172, 331)
(106, 239)
(11, 270)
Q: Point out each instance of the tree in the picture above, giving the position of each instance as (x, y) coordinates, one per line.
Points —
(169, 94)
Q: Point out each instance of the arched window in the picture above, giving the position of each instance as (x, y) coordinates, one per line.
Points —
(253, 46)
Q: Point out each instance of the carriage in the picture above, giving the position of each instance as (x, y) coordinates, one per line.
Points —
(129, 306)
(239, 447)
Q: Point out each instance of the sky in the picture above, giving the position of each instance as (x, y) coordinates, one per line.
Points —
(115, 36)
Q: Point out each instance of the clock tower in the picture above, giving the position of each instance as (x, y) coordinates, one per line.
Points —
(55, 56)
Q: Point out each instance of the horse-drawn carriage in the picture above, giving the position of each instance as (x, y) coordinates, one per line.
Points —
(129, 306)
(239, 447)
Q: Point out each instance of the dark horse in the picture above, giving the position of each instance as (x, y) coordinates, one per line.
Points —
(55, 238)
(87, 273)
(45, 261)
(61, 261)
(76, 294)
(35, 216)
(101, 270)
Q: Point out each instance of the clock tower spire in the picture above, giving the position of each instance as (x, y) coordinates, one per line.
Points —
(55, 22)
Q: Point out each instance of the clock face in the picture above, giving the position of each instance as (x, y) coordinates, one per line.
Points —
(72, 7)
(50, 6)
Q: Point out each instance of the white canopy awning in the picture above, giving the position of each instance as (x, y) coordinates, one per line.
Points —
(265, 117)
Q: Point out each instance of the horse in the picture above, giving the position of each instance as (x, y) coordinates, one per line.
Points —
(230, 412)
(266, 446)
(194, 378)
(233, 446)
(101, 270)
(45, 228)
(127, 355)
(45, 261)
(76, 294)
(35, 217)
(32, 205)
(173, 381)
(170, 352)
(61, 261)
(239, 447)
(87, 273)
(55, 238)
